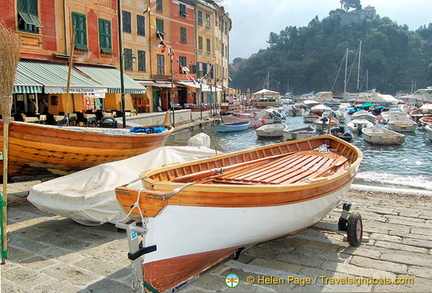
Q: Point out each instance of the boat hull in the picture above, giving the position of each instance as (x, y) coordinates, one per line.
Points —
(376, 135)
(196, 223)
(42, 149)
(218, 233)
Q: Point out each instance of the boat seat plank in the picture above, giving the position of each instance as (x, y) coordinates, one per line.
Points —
(285, 174)
(282, 170)
(271, 168)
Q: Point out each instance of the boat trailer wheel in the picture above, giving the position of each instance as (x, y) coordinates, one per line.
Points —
(353, 225)
(355, 229)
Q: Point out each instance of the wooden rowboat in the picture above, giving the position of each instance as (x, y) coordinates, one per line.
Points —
(43, 149)
(232, 127)
(199, 213)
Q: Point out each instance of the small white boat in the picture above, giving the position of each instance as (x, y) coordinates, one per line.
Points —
(310, 117)
(364, 115)
(425, 121)
(322, 123)
(402, 124)
(232, 127)
(386, 115)
(428, 129)
(319, 109)
(271, 130)
(378, 135)
(357, 125)
(299, 133)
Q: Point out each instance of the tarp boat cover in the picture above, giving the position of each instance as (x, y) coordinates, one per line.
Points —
(88, 196)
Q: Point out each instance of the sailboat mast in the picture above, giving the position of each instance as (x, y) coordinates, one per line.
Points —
(346, 70)
(358, 68)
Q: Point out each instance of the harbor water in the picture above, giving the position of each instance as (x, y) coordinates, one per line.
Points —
(406, 166)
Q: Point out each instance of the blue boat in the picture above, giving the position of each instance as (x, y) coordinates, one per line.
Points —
(231, 127)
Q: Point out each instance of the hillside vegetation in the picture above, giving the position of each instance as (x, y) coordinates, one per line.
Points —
(305, 59)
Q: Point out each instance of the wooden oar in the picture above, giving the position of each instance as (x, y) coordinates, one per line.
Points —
(217, 171)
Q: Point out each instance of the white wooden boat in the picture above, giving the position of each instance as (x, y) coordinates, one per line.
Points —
(299, 133)
(378, 135)
(271, 130)
(357, 125)
(425, 120)
(201, 212)
(364, 115)
(401, 124)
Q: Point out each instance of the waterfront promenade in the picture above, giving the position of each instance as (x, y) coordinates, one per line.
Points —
(50, 253)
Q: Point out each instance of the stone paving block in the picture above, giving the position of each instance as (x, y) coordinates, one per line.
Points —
(355, 270)
(421, 231)
(408, 259)
(299, 259)
(418, 242)
(72, 275)
(415, 222)
(378, 264)
(363, 250)
(403, 247)
(19, 242)
(277, 265)
(384, 237)
(422, 272)
(107, 286)
(27, 277)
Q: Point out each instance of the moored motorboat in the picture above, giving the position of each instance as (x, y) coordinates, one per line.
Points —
(357, 125)
(232, 127)
(402, 124)
(271, 130)
(310, 117)
(342, 132)
(377, 135)
(267, 192)
(299, 133)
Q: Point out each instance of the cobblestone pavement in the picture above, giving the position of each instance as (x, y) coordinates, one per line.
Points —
(50, 253)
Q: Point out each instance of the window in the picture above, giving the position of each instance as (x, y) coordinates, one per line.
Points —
(105, 36)
(79, 21)
(200, 18)
(207, 20)
(183, 35)
(200, 43)
(182, 10)
(160, 64)
(159, 6)
(127, 59)
(208, 46)
(159, 28)
(28, 16)
(141, 60)
(140, 25)
(182, 64)
(127, 26)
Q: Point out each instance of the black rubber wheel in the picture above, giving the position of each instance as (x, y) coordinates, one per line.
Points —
(355, 229)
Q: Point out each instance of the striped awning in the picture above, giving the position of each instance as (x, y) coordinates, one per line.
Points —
(110, 78)
(53, 77)
(25, 85)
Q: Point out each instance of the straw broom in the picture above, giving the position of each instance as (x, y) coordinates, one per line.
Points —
(9, 57)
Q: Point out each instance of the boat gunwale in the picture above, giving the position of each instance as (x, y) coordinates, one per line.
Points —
(148, 181)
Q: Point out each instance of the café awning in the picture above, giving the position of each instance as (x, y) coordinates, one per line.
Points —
(53, 77)
(110, 78)
(25, 85)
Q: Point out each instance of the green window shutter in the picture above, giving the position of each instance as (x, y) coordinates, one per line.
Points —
(128, 59)
(79, 20)
(183, 39)
(127, 25)
(141, 60)
(140, 25)
(105, 36)
(182, 10)
(200, 43)
(159, 6)
(160, 25)
(200, 17)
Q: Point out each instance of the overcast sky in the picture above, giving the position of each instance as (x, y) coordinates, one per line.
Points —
(253, 20)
